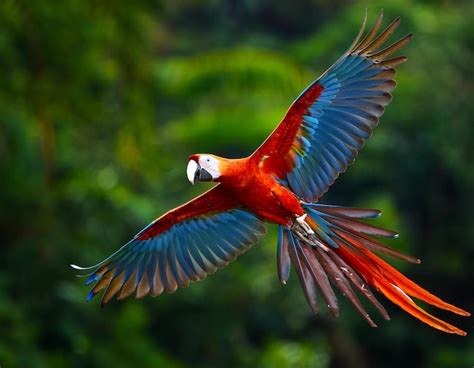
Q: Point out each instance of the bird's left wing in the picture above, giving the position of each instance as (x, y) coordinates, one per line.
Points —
(327, 125)
(182, 246)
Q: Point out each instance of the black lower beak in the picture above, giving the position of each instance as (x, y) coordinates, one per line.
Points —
(204, 175)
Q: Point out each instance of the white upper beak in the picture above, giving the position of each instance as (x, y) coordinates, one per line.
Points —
(191, 170)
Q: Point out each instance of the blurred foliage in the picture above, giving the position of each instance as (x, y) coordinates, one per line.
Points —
(102, 102)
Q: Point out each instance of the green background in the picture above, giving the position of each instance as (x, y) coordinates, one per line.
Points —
(101, 102)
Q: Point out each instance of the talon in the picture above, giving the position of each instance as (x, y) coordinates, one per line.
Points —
(302, 221)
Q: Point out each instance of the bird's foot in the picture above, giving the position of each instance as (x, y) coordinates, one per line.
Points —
(305, 233)
(302, 221)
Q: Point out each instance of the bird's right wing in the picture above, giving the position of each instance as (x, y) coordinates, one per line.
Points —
(182, 246)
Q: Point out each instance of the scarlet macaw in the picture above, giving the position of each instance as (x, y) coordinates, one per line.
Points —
(281, 182)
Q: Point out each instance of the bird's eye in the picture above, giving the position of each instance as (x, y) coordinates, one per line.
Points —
(208, 160)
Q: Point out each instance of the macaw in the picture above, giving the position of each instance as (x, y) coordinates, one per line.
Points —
(282, 182)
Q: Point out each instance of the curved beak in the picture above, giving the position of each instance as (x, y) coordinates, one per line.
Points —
(192, 171)
(195, 172)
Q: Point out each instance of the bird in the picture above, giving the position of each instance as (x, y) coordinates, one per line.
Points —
(281, 183)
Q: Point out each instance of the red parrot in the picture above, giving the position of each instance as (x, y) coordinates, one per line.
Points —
(281, 183)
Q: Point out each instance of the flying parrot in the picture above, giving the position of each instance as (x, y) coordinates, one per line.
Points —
(281, 183)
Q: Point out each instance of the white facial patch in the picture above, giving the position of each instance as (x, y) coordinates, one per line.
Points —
(211, 164)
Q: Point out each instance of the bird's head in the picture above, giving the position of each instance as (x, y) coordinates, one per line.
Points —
(203, 167)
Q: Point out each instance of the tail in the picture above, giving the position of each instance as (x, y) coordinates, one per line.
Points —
(342, 255)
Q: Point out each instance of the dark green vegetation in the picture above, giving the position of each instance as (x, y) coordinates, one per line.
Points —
(100, 106)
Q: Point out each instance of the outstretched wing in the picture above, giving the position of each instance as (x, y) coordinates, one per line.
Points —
(182, 246)
(324, 129)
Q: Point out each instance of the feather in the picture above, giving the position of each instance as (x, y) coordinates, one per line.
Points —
(392, 48)
(112, 289)
(368, 38)
(143, 286)
(349, 211)
(283, 258)
(158, 287)
(358, 283)
(381, 37)
(375, 245)
(342, 283)
(361, 227)
(397, 296)
(359, 35)
(128, 287)
(393, 62)
(306, 253)
(306, 279)
(412, 288)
